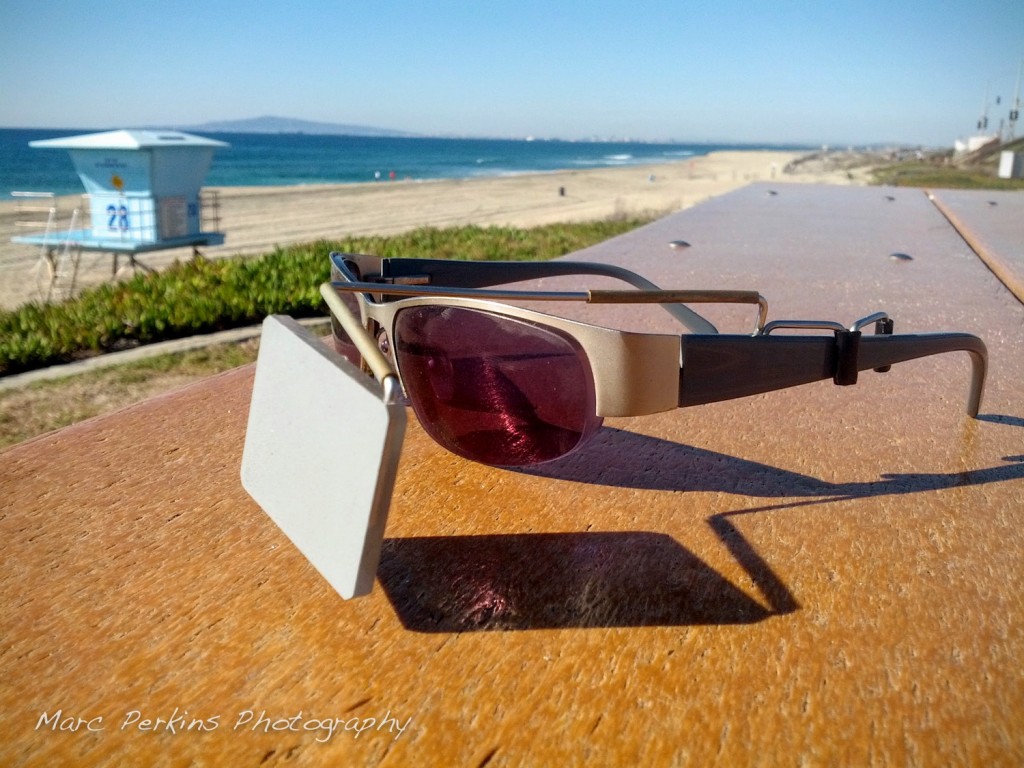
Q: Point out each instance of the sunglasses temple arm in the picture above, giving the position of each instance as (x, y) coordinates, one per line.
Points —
(484, 274)
(879, 352)
(373, 357)
(716, 368)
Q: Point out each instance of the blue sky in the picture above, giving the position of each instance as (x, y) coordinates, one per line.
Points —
(828, 71)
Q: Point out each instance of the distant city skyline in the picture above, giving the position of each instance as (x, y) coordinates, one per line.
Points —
(751, 72)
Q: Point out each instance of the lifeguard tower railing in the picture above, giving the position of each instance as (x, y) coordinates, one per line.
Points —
(124, 229)
(117, 219)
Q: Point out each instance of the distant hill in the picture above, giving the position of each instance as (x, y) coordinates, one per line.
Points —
(271, 124)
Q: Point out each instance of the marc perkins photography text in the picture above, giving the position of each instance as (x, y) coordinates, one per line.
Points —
(245, 721)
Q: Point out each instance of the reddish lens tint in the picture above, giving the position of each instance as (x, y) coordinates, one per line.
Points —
(343, 343)
(492, 388)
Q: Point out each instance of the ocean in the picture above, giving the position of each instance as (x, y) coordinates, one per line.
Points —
(262, 159)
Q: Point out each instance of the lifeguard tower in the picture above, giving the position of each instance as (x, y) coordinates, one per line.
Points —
(144, 193)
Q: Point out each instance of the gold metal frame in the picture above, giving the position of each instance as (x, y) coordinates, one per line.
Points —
(642, 373)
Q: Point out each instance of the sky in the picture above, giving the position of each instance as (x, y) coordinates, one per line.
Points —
(829, 71)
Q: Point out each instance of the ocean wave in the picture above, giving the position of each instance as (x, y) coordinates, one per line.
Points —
(609, 160)
(489, 173)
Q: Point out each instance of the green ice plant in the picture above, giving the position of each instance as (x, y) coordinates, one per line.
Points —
(204, 296)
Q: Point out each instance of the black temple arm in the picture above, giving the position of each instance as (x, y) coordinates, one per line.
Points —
(724, 367)
(484, 274)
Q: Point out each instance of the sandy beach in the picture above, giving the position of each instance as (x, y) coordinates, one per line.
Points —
(255, 219)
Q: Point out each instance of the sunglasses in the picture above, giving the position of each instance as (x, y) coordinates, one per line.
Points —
(505, 385)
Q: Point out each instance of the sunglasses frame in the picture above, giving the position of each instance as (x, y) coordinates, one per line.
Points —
(635, 373)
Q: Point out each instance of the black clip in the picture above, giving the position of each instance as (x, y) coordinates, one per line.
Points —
(883, 328)
(847, 351)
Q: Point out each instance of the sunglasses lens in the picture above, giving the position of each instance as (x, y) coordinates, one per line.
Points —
(494, 389)
(343, 343)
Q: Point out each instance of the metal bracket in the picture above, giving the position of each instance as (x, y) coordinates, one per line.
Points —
(883, 327)
(847, 341)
